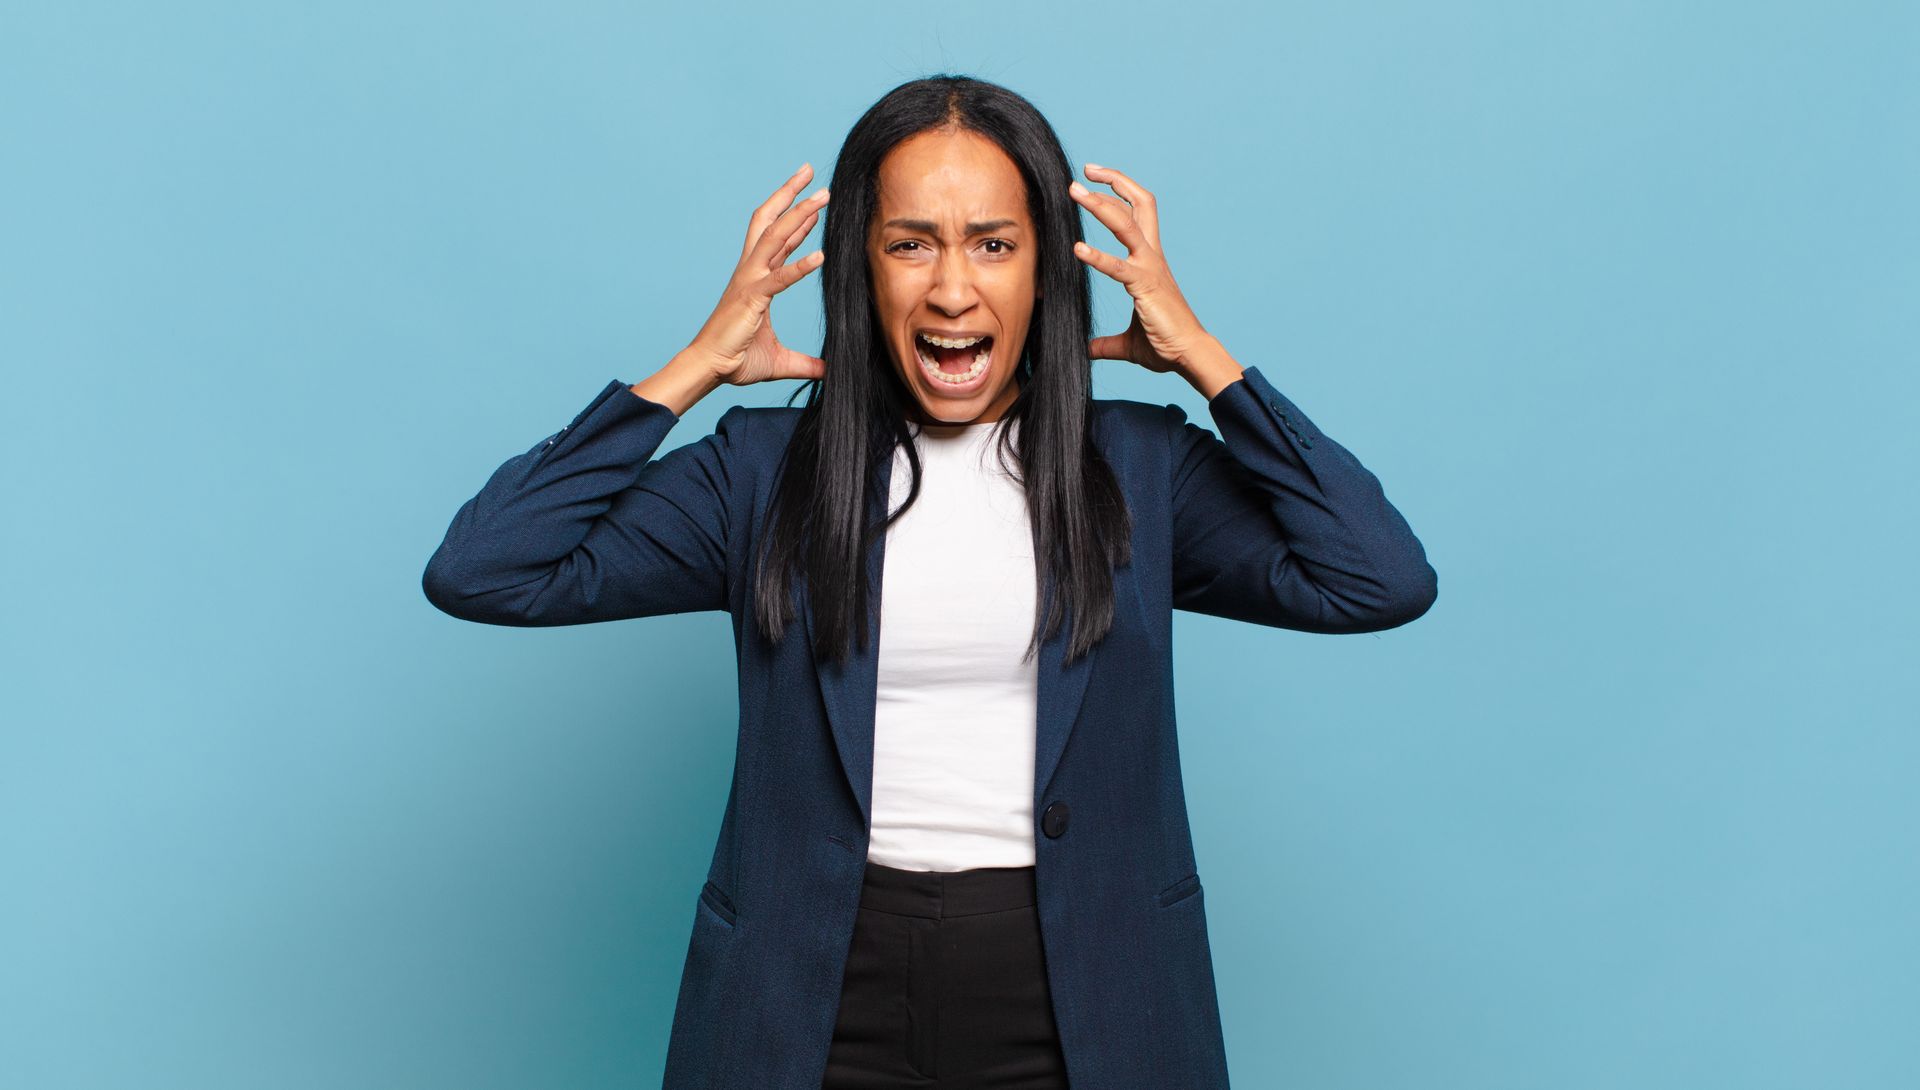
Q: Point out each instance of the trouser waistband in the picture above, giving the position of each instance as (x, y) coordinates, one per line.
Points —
(939, 894)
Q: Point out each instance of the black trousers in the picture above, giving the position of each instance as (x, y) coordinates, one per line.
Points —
(946, 986)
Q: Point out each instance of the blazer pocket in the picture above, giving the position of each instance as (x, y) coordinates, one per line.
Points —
(718, 902)
(1180, 891)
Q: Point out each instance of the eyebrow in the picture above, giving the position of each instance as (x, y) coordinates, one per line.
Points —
(928, 226)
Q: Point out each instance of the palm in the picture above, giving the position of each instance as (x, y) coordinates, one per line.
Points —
(1145, 349)
(1136, 344)
(766, 357)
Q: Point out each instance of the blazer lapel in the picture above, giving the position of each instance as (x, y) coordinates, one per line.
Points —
(849, 689)
(1062, 688)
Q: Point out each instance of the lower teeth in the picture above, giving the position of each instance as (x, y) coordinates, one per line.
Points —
(979, 364)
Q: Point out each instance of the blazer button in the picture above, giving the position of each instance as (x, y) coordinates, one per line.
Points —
(1053, 821)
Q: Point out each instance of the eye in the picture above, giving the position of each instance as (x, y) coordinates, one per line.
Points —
(999, 241)
(897, 245)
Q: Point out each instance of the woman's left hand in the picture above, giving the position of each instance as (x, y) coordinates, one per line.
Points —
(1164, 333)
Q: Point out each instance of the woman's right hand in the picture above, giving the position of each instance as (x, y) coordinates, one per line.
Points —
(738, 341)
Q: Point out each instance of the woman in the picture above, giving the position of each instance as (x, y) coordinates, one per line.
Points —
(955, 852)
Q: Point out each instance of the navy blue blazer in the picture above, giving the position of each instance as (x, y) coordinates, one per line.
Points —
(1278, 525)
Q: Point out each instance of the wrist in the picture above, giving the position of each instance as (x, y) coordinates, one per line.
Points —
(696, 367)
(684, 380)
(1209, 367)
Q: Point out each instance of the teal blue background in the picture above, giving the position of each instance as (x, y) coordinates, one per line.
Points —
(1618, 299)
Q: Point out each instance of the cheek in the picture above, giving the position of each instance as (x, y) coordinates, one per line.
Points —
(1015, 307)
(892, 296)
(1016, 287)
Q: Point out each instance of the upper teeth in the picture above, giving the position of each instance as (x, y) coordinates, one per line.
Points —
(951, 342)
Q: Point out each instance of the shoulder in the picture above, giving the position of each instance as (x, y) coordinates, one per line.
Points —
(1134, 423)
(1132, 414)
(754, 438)
(753, 424)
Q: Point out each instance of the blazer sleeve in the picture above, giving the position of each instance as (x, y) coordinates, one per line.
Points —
(587, 526)
(1281, 526)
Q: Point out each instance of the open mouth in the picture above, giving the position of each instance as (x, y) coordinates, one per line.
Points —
(955, 361)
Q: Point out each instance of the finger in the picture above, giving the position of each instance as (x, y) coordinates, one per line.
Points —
(1113, 347)
(793, 364)
(770, 208)
(782, 278)
(761, 256)
(1106, 263)
(1113, 212)
(794, 239)
(1145, 209)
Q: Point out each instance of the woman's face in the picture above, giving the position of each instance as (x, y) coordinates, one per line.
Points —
(951, 249)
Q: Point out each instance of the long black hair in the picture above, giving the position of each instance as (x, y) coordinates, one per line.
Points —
(859, 412)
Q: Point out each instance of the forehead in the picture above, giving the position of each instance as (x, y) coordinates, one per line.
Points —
(950, 177)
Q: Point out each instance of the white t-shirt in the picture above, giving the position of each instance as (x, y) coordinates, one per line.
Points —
(955, 707)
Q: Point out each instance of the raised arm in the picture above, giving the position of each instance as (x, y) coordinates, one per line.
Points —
(1281, 526)
(587, 526)
(1278, 525)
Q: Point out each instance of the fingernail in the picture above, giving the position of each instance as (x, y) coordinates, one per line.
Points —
(1077, 187)
(1095, 166)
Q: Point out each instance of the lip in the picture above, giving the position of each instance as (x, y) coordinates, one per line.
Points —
(952, 390)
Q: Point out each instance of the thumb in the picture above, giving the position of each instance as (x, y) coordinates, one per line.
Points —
(800, 365)
(1106, 348)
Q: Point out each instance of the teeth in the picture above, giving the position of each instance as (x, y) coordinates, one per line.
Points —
(932, 368)
(951, 342)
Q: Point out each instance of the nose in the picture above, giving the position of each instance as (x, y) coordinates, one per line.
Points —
(953, 292)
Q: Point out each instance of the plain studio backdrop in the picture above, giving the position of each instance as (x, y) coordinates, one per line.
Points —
(1617, 299)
